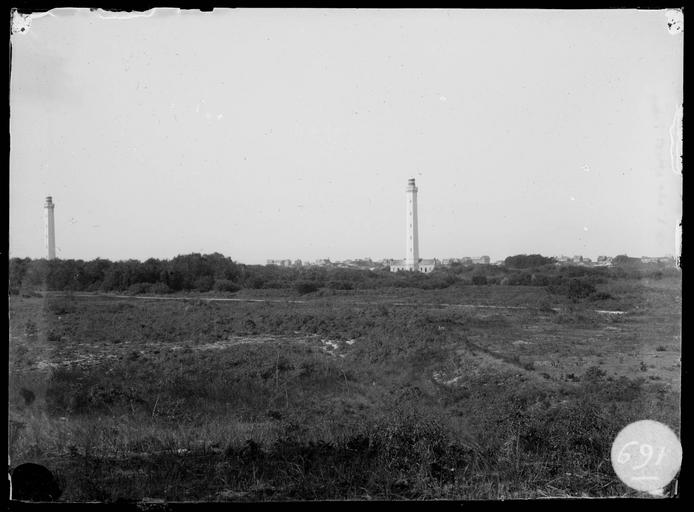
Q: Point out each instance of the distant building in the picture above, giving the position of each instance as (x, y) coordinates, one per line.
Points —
(280, 263)
(423, 265)
(426, 266)
(657, 259)
(482, 260)
(603, 261)
(358, 263)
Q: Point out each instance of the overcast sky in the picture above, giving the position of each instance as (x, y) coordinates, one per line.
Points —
(292, 133)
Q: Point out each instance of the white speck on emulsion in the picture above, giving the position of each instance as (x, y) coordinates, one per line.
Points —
(675, 21)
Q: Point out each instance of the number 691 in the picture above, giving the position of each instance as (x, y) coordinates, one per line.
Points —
(646, 450)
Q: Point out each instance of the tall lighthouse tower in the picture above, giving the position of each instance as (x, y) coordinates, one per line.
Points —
(412, 254)
(49, 227)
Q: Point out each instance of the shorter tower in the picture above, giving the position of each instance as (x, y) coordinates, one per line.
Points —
(49, 227)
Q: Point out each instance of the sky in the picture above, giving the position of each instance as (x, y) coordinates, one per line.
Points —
(291, 134)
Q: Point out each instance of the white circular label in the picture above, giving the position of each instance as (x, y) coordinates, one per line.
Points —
(646, 455)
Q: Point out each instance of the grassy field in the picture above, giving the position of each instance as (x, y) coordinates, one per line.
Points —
(467, 392)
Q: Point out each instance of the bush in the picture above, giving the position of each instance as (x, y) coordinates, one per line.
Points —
(276, 285)
(340, 285)
(623, 259)
(575, 288)
(138, 288)
(53, 336)
(159, 288)
(437, 282)
(225, 285)
(527, 261)
(479, 280)
(518, 279)
(578, 289)
(255, 282)
(624, 389)
(539, 280)
(304, 287)
(594, 377)
(600, 296)
(204, 283)
(570, 437)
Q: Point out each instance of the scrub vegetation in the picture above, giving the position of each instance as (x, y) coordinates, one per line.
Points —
(339, 384)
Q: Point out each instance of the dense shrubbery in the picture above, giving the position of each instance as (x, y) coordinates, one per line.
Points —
(340, 285)
(214, 272)
(139, 288)
(623, 259)
(204, 283)
(478, 279)
(202, 273)
(304, 287)
(249, 378)
(160, 288)
(578, 289)
(406, 447)
(375, 423)
(527, 261)
(519, 279)
(225, 285)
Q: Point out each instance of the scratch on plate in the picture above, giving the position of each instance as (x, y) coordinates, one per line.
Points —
(676, 141)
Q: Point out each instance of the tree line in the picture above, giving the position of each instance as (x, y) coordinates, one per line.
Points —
(216, 272)
(189, 272)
